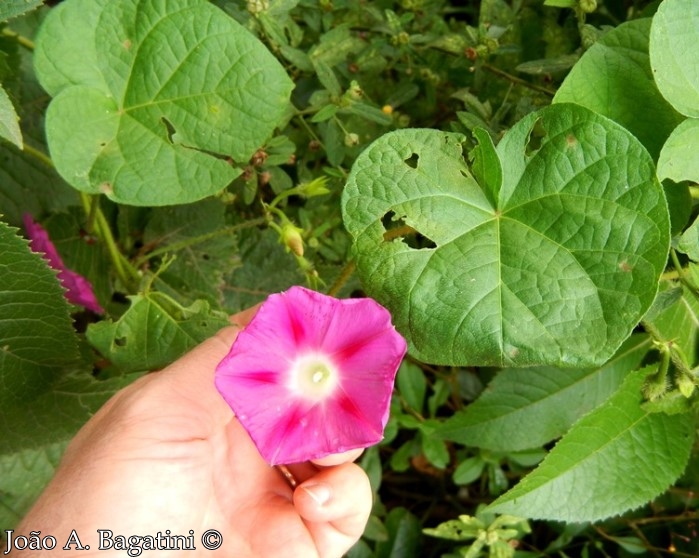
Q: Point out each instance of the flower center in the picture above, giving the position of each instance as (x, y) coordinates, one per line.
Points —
(313, 376)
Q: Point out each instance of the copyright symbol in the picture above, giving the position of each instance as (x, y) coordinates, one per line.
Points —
(212, 539)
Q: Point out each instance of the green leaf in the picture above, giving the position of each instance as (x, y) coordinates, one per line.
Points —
(28, 185)
(616, 458)
(154, 332)
(14, 8)
(558, 272)
(689, 241)
(412, 385)
(614, 78)
(404, 535)
(678, 159)
(204, 248)
(266, 268)
(673, 40)
(9, 122)
(468, 471)
(37, 339)
(155, 133)
(485, 165)
(677, 324)
(522, 409)
(35, 434)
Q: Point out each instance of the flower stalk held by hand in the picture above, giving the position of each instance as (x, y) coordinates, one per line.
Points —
(312, 375)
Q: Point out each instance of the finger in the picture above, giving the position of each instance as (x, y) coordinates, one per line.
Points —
(338, 458)
(335, 505)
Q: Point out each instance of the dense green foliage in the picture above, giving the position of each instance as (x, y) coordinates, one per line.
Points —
(515, 180)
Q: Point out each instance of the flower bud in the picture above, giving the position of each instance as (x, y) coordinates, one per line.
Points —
(316, 187)
(351, 139)
(588, 6)
(291, 238)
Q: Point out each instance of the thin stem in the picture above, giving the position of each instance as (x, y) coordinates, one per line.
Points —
(21, 39)
(128, 274)
(39, 155)
(517, 80)
(345, 274)
(176, 246)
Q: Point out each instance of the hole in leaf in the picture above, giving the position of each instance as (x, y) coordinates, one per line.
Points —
(412, 161)
(169, 128)
(536, 135)
(397, 228)
(120, 341)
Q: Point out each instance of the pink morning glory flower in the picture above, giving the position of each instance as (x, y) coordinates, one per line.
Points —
(312, 375)
(78, 289)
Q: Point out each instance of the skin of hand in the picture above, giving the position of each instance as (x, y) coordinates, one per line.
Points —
(167, 453)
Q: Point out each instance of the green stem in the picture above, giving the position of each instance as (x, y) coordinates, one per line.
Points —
(39, 155)
(176, 246)
(128, 274)
(21, 39)
(345, 274)
(518, 81)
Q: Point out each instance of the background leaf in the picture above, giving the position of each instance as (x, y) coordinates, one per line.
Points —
(614, 459)
(9, 124)
(204, 251)
(14, 8)
(156, 134)
(678, 159)
(614, 78)
(673, 41)
(523, 409)
(557, 273)
(154, 332)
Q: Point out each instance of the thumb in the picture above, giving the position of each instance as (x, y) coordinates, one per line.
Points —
(335, 505)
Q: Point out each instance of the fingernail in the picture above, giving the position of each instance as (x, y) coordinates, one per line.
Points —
(320, 493)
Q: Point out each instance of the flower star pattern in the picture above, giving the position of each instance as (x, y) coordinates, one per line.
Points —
(312, 375)
(78, 288)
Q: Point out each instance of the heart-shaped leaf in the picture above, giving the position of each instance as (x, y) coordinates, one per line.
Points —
(149, 108)
(558, 269)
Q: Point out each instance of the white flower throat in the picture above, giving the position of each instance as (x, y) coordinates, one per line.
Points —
(313, 376)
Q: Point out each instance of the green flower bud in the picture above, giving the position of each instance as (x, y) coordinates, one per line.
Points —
(291, 238)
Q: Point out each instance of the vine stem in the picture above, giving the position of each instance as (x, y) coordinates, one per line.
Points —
(517, 80)
(345, 274)
(176, 246)
(128, 274)
(21, 39)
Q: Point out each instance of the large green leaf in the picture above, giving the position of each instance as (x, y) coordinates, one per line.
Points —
(36, 433)
(673, 54)
(37, 339)
(523, 409)
(617, 458)
(163, 106)
(553, 265)
(154, 332)
(614, 78)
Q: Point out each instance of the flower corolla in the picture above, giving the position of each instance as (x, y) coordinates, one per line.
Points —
(312, 375)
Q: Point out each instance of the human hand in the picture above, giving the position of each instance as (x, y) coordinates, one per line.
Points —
(167, 454)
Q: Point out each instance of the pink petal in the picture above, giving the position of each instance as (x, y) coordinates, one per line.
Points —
(355, 337)
(78, 289)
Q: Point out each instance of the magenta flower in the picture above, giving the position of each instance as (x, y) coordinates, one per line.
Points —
(78, 289)
(312, 375)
